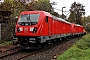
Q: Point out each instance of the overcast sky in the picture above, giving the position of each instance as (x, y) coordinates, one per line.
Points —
(67, 3)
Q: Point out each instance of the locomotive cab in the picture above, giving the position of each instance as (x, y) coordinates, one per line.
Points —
(27, 21)
(31, 28)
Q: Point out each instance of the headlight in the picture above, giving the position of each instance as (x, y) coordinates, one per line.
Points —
(33, 29)
(19, 29)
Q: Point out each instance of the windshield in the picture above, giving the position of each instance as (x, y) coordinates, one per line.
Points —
(29, 18)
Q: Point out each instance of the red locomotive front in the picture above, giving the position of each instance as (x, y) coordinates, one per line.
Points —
(27, 24)
(32, 28)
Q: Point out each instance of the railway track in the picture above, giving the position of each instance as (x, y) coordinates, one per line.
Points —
(24, 55)
(34, 53)
(9, 51)
(45, 50)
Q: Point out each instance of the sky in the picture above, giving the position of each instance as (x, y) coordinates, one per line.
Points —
(67, 4)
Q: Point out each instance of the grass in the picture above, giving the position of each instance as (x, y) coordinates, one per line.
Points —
(79, 51)
(4, 43)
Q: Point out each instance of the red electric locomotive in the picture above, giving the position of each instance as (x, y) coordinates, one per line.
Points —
(34, 28)
(79, 29)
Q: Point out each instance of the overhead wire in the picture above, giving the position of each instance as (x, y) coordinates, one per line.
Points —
(61, 10)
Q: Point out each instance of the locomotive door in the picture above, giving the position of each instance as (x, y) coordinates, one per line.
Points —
(49, 26)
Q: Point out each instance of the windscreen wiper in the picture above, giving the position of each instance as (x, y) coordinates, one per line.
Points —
(28, 18)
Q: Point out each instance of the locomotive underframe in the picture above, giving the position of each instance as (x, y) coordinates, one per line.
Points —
(35, 41)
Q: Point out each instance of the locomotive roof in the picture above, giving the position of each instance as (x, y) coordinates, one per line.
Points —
(56, 18)
(78, 25)
(60, 19)
(28, 12)
(46, 14)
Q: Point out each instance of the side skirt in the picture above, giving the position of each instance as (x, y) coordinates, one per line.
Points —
(47, 38)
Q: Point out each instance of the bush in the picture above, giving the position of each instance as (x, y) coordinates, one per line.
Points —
(84, 42)
(79, 51)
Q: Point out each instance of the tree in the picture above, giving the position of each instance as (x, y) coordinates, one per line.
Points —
(40, 5)
(56, 14)
(16, 6)
(13, 6)
(77, 11)
(87, 23)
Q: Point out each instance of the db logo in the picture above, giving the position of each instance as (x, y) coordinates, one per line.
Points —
(26, 30)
